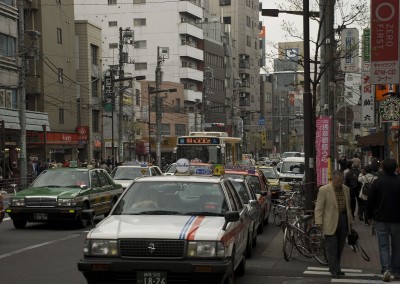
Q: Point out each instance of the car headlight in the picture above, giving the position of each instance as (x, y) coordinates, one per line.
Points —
(100, 248)
(206, 249)
(17, 202)
(67, 202)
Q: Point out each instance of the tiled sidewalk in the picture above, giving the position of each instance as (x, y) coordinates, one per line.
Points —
(369, 242)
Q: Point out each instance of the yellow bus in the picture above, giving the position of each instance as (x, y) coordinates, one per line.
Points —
(210, 147)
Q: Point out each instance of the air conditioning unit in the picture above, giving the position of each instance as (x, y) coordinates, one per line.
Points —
(242, 95)
(243, 76)
(243, 57)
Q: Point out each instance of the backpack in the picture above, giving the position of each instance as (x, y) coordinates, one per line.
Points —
(352, 179)
(366, 186)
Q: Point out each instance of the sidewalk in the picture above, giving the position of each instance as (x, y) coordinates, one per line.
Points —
(369, 242)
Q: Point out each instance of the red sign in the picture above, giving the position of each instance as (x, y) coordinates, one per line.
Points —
(385, 41)
(55, 138)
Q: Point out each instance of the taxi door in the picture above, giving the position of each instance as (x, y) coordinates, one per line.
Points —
(106, 193)
(96, 192)
(243, 223)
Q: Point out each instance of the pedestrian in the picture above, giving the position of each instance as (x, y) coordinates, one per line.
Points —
(356, 161)
(366, 178)
(348, 167)
(351, 180)
(333, 215)
(383, 207)
(342, 163)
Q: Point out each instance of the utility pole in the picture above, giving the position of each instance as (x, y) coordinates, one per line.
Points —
(234, 111)
(158, 106)
(208, 74)
(125, 36)
(22, 92)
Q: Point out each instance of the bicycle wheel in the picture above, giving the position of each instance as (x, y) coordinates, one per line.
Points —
(277, 216)
(317, 245)
(300, 241)
(287, 244)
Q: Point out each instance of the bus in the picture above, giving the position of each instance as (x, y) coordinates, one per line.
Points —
(210, 147)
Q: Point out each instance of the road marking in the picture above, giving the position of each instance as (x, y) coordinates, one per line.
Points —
(326, 269)
(7, 219)
(37, 246)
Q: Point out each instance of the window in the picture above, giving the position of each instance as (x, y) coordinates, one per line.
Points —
(248, 21)
(95, 120)
(59, 35)
(61, 115)
(227, 20)
(141, 44)
(7, 45)
(94, 53)
(95, 88)
(180, 129)
(139, 1)
(224, 2)
(2, 98)
(8, 99)
(60, 75)
(113, 24)
(141, 66)
(139, 22)
(112, 2)
(165, 129)
(8, 2)
(248, 41)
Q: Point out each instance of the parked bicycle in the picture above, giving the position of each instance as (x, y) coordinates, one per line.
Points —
(306, 237)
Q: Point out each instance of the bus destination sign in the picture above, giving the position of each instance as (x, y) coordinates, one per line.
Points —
(198, 140)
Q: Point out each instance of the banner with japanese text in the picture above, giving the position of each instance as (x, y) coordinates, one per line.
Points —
(385, 42)
(323, 145)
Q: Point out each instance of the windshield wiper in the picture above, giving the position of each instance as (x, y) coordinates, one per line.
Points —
(204, 213)
(158, 212)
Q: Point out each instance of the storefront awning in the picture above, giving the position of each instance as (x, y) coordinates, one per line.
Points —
(34, 120)
(375, 139)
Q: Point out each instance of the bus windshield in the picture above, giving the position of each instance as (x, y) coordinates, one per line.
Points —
(205, 154)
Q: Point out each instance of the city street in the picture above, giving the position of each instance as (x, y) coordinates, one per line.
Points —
(49, 254)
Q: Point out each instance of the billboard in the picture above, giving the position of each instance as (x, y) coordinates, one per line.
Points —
(323, 145)
(385, 42)
(349, 61)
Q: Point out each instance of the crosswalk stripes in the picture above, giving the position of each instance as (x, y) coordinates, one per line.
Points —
(351, 276)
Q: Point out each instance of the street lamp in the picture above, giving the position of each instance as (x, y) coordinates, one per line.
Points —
(309, 136)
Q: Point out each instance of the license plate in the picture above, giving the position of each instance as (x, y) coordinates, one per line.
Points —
(40, 216)
(151, 277)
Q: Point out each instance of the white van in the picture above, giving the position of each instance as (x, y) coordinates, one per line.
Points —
(291, 169)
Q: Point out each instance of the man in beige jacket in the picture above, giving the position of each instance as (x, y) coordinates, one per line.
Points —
(333, 215)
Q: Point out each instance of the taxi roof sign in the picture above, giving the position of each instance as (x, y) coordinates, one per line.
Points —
(182, 165)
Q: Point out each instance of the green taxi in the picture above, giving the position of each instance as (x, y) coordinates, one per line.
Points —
(61, 194)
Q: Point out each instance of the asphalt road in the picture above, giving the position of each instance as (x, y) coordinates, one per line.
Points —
(49, 254)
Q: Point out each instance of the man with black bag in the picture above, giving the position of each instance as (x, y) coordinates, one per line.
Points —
(383, 207)
(333, 215)
(351, 180)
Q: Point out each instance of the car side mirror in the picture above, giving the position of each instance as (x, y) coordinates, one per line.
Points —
(230, 216)
(253, 202)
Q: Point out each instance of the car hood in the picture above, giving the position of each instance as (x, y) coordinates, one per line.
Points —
(49, 191)
(159, 226)
(124, 182)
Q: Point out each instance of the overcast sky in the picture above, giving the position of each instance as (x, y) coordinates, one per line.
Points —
(275, 33)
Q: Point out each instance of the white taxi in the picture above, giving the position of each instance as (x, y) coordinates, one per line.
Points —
(170, 229)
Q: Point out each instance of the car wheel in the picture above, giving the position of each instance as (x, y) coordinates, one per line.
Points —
(19, 224)
(230, 278)
(249, 246)
(260, 228)
(80, 222)
(254, 241)
(241, 269)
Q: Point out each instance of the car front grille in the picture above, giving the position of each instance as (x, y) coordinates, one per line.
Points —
(152, 248)
(290, 179)
(40, 202)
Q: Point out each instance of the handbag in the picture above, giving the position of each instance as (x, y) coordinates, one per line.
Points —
(352, 239)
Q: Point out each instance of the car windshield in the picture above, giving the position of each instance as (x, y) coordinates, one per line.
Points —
(61, 178)
(129, 173)
(172, 198)
(293, 167)
(252, 180)
(269, 173)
